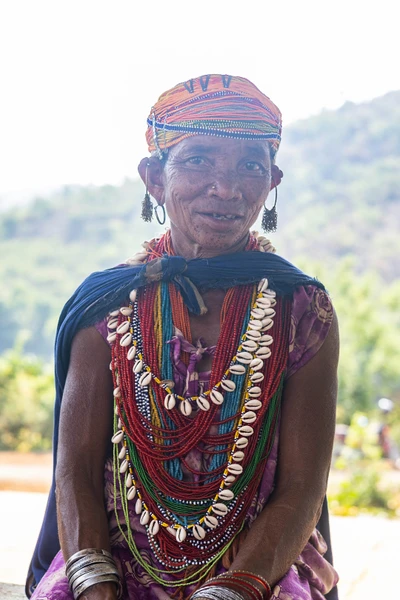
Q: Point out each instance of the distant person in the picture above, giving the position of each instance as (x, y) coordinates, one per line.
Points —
(389, 448)
(211, 363)
(340, 439)
(384, 440)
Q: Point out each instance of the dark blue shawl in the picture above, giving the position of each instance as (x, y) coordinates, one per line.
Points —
(107, 290)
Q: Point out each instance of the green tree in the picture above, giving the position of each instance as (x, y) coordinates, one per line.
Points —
(369, 321)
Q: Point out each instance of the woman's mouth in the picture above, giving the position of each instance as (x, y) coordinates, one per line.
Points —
(221, 217)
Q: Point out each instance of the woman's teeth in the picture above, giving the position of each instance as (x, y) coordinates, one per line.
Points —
(224, 217)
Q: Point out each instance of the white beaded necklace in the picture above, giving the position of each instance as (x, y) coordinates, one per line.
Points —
(253, 350)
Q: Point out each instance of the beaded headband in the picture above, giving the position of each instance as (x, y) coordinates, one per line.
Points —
(216, 105)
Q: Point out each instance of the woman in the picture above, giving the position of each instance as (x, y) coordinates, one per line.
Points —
(222, 373)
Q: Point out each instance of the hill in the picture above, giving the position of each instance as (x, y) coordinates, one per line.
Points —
(341, 190)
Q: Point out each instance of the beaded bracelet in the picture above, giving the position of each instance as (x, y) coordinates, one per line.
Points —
(237, 580)
(243, 586)
(258, 578)
(246, 590)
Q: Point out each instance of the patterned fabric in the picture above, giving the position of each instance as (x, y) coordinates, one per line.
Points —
(312, 316)
(218, 105)
(311, 576)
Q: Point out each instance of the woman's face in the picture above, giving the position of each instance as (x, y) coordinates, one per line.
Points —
(213, 190)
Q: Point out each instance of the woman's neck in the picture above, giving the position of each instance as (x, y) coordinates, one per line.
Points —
(189, 250)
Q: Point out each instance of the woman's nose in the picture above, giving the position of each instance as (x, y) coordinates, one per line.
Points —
(226, 186)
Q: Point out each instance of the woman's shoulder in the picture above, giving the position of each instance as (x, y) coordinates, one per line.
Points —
(312, 300)
(311, 318)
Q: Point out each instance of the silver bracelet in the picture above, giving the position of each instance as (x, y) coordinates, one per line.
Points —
(86, 552)
(214, 592)
(88, 567)
(95, 579)
(222, 594)
(92, 570)
(86, 562)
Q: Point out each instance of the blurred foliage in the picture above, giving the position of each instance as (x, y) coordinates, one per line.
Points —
(361, 442)
(369, 322)
(26, 403)
(339, 203)
(363, 492)
(369, 485)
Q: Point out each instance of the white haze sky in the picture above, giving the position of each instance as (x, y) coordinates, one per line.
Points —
(78, 77)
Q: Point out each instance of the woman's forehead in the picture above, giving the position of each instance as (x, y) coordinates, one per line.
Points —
(216, 145)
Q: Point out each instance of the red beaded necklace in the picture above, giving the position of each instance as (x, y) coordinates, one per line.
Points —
(154, 439)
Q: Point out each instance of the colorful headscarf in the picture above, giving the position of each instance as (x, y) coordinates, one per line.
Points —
(217, 105)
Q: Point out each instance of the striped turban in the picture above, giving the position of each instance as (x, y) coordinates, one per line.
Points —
(217, 105)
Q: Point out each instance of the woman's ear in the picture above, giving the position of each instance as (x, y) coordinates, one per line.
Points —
(276, 176)
(151, 171)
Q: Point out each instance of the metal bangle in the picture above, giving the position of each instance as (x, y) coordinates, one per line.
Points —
(92, 570)
(86, 552)
(95, 579)
(88, 561)
(213, 592)
(88, 576)
(210, 596)
(242, 585)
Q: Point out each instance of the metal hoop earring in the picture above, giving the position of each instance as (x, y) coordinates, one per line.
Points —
(270, 216)
(163, 214)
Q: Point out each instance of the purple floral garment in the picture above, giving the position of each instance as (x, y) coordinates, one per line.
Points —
(311, 576)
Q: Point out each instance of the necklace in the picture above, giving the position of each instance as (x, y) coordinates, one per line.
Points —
(155, 428)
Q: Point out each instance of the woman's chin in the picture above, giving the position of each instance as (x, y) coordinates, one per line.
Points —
(219, 224)
(209, 237)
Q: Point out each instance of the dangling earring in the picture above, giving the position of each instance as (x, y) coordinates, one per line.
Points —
(147, 207)
(163, 213)
(270, 216)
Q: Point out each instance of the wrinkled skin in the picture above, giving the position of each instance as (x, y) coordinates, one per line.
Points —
(205, 178)
(202, 179)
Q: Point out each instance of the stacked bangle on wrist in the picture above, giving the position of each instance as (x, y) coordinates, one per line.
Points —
(216, 592)
(89, 567)
(235, 585)
(248, 575)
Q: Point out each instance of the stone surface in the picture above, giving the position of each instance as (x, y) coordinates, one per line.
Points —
(366, 551)
(11, 592)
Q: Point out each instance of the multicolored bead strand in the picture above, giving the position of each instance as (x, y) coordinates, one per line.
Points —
(191, 524)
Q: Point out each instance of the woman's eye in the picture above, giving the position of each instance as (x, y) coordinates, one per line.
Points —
(255, 167)
(195, 160)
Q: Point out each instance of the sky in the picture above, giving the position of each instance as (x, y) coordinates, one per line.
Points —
(78, 77)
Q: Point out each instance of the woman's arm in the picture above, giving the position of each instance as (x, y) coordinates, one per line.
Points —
(85, 432)
(281, 531)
